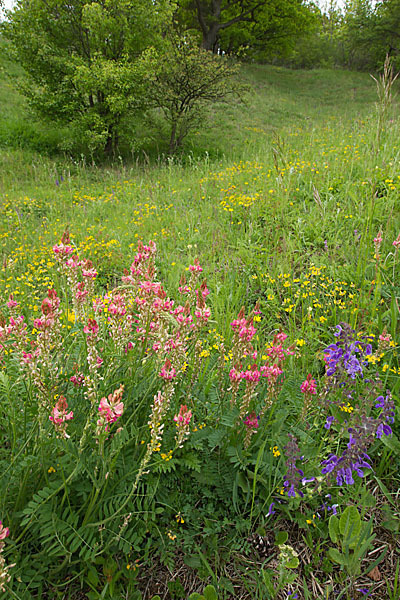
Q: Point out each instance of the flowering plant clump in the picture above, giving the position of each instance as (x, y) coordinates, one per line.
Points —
(83, 384)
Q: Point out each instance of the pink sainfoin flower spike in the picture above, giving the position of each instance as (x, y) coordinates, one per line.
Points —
(309, 386)
(59, 417)
(167, 372)
(11, 302)
(396, 242)
(196, 268)
(377, 243)
(4, 531)
(182, 420)
(110, 410)
(251, 423)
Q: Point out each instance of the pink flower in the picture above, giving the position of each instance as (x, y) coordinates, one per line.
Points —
(247, 332)
(59, 416)
(396, 242)
(235, 375)
(4, 532)
(77, 379)
(281, 337)
(117, 306)
(251, 421)
(62, 250)
(196, 268)
(92, 327)
(89, 273)
(309, 386)
(110, 410)
(202, 314)
(11, 302)
(167, 372)
(252, 374)
(183, 417)
(378, 241)
(271, 371)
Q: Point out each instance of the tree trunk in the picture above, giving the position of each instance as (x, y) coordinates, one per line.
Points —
(172, 140)
(111, 143)
(210, 38)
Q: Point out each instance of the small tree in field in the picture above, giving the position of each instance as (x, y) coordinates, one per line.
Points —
(83, 61)
(184, 80)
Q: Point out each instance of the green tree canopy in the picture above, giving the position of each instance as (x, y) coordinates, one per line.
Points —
(228, 25)
(84, 60)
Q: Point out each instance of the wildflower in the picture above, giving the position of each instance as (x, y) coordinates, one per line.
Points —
(167, 372)
(196, 268)
(110, 410)
(11, 302)
(251, 424)
(355, 458)
(396, 242)
(182, 420)
(343, 357)
(251, 421)
(377, 243)
(4, 531)
(60, 416)
(309, 386)
(294, 475)
(329, 422)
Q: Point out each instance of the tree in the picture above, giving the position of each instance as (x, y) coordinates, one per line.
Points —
(84, 60)
(184, 80)
(226, 25)
(359, 34)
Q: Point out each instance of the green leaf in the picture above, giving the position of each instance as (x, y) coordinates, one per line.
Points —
(391, 442)
(334, 528)
(243, 482)
(281, 537)
(336, 556)
(268, 582)
(292, 563)
(350, 526)
(210, 593)
(196, 596)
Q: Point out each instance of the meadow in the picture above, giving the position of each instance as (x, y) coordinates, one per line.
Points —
(199, 368)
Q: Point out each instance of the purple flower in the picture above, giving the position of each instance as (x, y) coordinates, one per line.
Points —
(341, 357)
(271, 510)
(362, 434)
(307, 480)
(329, 422)
(294, 475)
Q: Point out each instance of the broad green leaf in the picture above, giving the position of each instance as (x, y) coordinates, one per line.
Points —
(336, 556)
(292, 563)
(281, 537)
(350, 526)
(334, 528)
(210, 593)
